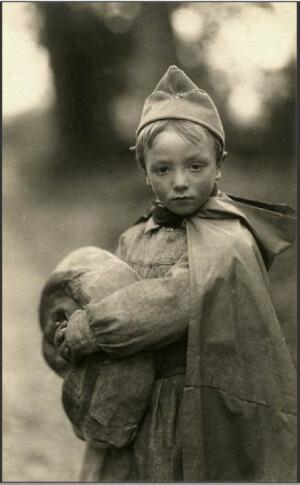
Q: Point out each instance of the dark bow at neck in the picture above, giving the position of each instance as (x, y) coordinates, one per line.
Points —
(164, 217)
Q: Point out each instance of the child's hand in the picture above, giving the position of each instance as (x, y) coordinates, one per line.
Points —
(73, 339)
(59, 337)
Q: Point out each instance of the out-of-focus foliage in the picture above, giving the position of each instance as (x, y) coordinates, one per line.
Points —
(244, 54)
(106, 57)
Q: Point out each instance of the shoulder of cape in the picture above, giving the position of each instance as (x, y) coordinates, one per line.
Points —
(272, 225)
(283, 209)
(224, 234)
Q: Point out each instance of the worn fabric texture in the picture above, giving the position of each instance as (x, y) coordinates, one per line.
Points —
(240, 379)
(104, 398)
(158, 321)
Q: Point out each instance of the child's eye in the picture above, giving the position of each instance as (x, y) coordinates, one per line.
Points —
(196, 166)
(163, 170)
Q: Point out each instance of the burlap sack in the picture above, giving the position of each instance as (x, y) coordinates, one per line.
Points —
(104, 398)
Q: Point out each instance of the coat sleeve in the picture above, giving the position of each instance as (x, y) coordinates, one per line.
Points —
(147, 314)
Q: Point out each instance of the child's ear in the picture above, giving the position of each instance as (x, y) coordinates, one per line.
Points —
(218, 172)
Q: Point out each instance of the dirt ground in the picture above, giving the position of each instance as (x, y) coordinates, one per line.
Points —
(38, 442)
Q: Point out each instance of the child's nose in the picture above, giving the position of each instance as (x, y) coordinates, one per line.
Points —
(180, 181)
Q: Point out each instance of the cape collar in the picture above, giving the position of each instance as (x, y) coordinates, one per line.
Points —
(151, 225)
(272, 225)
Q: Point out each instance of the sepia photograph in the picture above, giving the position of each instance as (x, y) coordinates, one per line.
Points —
(149, 241)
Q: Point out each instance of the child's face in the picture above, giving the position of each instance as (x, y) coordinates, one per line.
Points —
(182, 174)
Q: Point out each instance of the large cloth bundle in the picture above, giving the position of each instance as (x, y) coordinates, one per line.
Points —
(104, 398)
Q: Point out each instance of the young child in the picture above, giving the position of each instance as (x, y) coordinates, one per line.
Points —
(223, 402)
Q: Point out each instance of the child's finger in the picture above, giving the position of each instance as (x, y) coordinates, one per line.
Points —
(61, 324)
(65, 352)
(59, 336)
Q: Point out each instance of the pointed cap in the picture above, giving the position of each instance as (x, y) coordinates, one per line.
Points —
(177, 97)
(175, 81)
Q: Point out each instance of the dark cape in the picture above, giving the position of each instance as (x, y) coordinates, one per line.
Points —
(239, 411)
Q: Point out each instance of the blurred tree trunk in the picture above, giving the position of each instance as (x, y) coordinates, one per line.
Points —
(153, 50)
(153, 47)
(86, 60)
(89, 64)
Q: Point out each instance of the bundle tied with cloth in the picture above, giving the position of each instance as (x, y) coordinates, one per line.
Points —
(105, 398)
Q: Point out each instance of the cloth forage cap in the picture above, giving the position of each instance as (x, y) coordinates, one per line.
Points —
(177, 97)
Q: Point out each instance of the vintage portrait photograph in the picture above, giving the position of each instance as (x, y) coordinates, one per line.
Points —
(149, 241)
